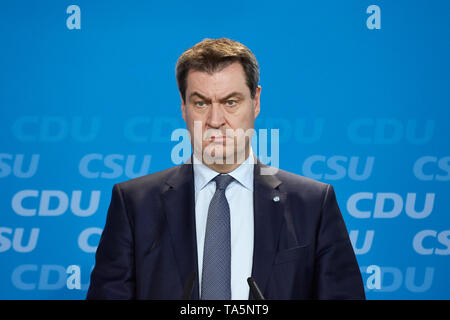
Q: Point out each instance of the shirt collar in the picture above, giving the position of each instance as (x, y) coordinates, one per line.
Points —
(242, 174)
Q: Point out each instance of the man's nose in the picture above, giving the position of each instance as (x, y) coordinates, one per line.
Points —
(216, 117)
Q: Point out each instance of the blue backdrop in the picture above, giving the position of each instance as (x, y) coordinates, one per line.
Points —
(360, 95)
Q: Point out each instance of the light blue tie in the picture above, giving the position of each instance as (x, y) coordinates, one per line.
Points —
(216, 273)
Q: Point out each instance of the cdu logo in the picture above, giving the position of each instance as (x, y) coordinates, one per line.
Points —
(47, 277)
(302, 130)
(388, 205)
(150, 129)
(55, 129)
(42, 203)
(366, 242)
(390, 131)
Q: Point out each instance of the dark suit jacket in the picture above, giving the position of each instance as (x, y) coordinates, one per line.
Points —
(148, 248)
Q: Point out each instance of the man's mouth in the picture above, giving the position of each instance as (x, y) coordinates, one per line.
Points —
(218, 138)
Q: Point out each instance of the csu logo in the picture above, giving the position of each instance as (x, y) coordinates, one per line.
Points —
(21, 166)
(112, 166)
(428, 242)
(430, 168)
(338, 167)
(17, 236)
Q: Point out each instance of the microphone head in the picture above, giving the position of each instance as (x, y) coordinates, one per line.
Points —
(257, 294)
(189, 286)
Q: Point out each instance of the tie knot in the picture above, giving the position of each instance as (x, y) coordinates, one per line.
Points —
(222, 181)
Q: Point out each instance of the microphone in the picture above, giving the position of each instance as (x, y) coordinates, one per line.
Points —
(189, 286)
(255, 289)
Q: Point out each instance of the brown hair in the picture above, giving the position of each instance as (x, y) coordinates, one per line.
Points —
(212, 55)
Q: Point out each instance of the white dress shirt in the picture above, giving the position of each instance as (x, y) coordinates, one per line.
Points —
(239, 194)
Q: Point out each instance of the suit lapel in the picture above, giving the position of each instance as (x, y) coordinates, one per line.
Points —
(268, 203)
(178, 202)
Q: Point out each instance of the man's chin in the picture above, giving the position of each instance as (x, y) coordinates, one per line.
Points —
(220, 155)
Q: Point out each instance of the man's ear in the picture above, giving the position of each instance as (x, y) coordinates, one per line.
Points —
(183, 108)
(256, 101)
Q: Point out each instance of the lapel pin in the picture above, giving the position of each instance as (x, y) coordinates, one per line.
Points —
(276, 198)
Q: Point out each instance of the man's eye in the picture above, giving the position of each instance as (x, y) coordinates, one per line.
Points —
(231, 103)
(200, 104)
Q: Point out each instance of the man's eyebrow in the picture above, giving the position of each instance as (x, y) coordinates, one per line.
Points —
(233, 94)
(228, 96)
(195, 93)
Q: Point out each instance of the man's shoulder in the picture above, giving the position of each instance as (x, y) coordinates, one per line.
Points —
(150, 182)
(294, 178)
(298, 184)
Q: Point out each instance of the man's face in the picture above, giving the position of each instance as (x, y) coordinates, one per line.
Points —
(219, 111)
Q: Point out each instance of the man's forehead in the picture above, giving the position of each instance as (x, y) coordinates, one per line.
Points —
(229, 79)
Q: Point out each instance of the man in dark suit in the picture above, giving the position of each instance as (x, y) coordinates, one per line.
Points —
(200, 229)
